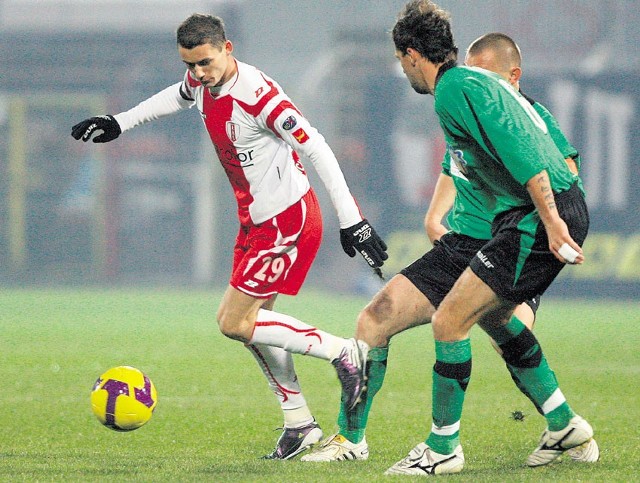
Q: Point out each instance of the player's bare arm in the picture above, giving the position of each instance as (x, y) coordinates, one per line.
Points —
(539, 187)
(441, 202)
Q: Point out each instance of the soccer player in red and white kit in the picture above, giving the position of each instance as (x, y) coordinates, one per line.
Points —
(259, 136)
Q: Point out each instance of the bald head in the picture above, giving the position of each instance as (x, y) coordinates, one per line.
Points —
(498, 53)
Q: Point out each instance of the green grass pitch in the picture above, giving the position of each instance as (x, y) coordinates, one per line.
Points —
(216, 416)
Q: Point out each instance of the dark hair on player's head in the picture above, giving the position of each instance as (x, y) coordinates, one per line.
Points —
(425, 27)
(200, 29)
(500, 43)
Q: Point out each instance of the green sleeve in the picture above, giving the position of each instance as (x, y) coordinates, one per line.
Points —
(446, 163)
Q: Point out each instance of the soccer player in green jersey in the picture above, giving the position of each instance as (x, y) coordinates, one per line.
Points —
(410, 298)
(503, 148)
(498, 53)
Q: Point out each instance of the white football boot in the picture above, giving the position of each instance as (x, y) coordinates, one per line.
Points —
(585, 453)
(338, 448)
(423, 461)
(554, 443)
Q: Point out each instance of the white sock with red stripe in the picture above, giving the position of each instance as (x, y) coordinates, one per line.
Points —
(292, 335)
(277, 366)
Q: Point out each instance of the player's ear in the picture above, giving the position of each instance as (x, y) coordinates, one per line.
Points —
(514, 75)
(228, 47)
(413, 55)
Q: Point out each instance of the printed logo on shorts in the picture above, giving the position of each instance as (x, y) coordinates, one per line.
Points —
(289, 123)
(485, 261)
(301, 136)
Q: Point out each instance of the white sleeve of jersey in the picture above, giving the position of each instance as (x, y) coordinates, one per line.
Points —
(164, 103)
(327, 167)
(309, 143)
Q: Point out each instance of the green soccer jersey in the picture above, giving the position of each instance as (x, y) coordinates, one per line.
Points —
(468, 216)
(496, 139)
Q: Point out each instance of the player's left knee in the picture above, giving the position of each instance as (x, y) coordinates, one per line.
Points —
(232, 328)
(447, 328)
(377, 311)
(439, 326)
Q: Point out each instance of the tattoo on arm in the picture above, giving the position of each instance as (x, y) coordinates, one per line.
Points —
(543, 183)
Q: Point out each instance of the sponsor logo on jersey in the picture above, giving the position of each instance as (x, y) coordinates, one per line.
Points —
(289, 123)
(457, 159)
(301, 136)
(233, 158)
(233, 131)
(455, 171)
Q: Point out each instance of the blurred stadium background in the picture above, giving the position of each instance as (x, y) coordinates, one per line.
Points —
(154, 208)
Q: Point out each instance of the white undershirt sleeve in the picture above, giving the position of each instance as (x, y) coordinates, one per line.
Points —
(327, 167)
(164, 103)
(317, 150)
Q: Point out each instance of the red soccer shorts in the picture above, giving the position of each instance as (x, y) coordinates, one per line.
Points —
(275, 256)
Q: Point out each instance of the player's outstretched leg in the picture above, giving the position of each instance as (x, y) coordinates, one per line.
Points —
(347, 355)
(350, 443)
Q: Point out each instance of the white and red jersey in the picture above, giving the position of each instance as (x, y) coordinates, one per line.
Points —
(258, 135)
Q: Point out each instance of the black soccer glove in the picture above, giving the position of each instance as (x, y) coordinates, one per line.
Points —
(362, 238)
(107, 124)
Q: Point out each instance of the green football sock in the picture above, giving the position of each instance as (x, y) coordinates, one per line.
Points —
(451, 374)
(526, 361)
(353, 423)
(523, 389)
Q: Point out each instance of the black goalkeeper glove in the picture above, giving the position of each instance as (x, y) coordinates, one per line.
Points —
(107, 124)
(362, 238)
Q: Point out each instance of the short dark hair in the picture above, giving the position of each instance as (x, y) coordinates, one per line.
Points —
(425, 27)
(200, 29)
(500, 43)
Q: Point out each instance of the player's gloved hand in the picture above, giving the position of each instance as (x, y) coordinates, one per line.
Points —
(107, 124)
(362, 238)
